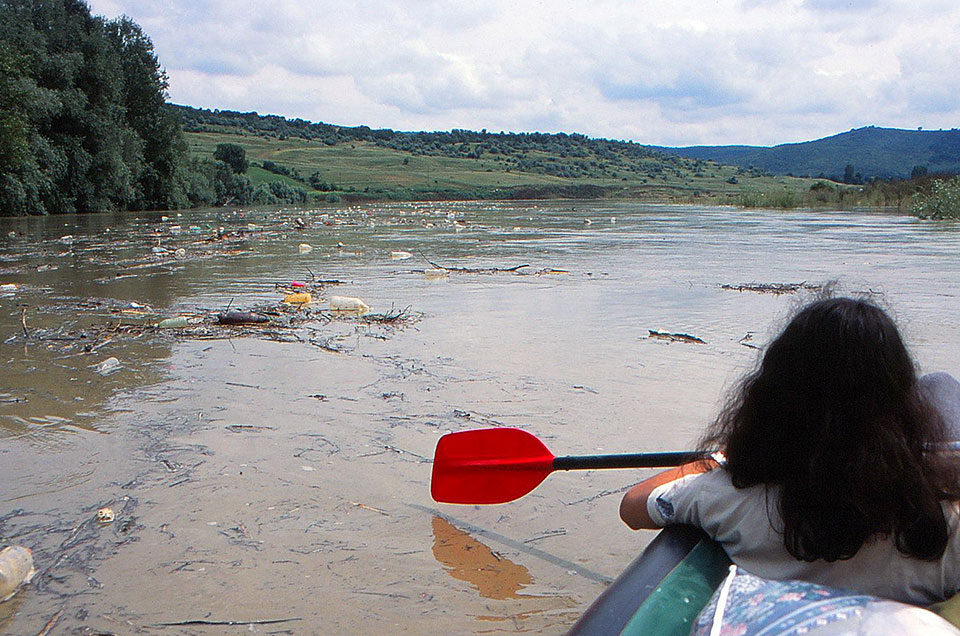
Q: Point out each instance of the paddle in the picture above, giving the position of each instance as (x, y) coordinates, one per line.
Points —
(497, 465)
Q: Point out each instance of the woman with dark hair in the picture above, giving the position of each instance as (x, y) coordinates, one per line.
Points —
(834, 468)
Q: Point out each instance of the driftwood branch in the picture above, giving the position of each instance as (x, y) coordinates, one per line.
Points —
(200, 621)
(474, 270)
(675, 337)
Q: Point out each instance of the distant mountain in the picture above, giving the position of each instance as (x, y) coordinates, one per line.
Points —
(872, 152)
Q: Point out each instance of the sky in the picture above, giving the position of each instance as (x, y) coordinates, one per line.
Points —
(670, 72)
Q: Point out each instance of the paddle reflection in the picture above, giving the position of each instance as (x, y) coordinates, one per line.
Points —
(466, 559)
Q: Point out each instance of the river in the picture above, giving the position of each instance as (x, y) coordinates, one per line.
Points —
(281, 472)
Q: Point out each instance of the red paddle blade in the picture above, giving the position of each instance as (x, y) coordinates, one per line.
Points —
(487, 466)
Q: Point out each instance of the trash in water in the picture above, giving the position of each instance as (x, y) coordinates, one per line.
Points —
(298, 298)
(8, 288)
(400, 255)
(305, 248)
(173, 323)
(180, 253)
(346, 303)
(434, 274)
(237, 317)
(105, 516)
(675, 337)
(107, 367)
(297, 283)
(16, 568)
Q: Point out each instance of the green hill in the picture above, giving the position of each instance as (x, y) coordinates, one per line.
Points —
(337, 162)
(872, 152)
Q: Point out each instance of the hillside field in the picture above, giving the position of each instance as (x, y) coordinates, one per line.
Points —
(367, 170)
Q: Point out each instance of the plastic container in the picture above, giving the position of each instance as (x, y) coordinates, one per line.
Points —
(173, 323)
(16, 568)
(346, 303)
(435, 274)
(298, 298)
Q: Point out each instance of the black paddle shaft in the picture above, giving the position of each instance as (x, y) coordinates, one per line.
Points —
(634, 460)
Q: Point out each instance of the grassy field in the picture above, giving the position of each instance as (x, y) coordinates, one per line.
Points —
(365, 170)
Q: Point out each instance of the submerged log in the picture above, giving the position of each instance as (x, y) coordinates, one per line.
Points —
(236, 317)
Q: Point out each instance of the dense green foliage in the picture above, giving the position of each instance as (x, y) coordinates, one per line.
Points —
(561, 155)
(851, 157)
(940, 201)
(84, 121)
(233, 155)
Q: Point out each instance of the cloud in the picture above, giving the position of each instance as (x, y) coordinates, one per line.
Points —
(841, 5)
(728, 71)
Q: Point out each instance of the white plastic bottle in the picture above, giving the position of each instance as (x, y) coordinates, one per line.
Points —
(16, 568)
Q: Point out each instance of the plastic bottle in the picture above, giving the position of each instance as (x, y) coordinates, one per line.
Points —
(346, 303)
(16, 568)
(298, 298)
(179, 322)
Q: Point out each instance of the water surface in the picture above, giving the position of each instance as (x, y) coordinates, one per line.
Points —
(257, 480)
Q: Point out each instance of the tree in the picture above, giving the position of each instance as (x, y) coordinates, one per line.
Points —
(84, 124)
(233, 155)
(848, 174)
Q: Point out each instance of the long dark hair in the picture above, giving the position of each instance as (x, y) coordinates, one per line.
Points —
(834, 418)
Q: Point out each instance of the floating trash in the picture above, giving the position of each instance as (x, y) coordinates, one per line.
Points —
(16, 568)
(347, 303)
(298, 298)
(237, 317)
(108, 366)
(173, 323)
(105, 516)
(400, 255)
(436, 274)
(305, 248)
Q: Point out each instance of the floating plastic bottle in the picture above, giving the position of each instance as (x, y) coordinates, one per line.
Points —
(346, 303)
(16, 568)
(174, 323)
(436, 273)
(305, 248)
(298, 298)
(400, 256)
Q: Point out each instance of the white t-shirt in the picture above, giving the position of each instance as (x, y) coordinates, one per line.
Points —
(740, 520)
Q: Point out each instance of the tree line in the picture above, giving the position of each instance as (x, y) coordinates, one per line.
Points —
(84, 120)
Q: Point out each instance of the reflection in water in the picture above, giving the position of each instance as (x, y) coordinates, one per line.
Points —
(498, 578)
(467, 559)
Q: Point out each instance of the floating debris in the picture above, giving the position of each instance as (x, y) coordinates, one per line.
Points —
(16, 568)
(105, 516)
(348, 304)
(237, 317)
(400, 255)
(180, 322)
(773, 288)
(107, 367)
(305, 248)
(675, 337)
(746, 341)
(298, 298)
(436, 274)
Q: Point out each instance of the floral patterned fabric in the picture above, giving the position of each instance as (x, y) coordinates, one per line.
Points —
(761, 607)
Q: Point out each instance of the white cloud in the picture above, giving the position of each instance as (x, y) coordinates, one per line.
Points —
(685, 72)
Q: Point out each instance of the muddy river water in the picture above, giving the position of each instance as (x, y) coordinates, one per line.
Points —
(274, 479)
